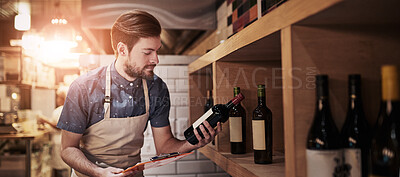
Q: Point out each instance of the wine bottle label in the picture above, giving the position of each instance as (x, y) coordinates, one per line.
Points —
(235, 129)
(324, 162)
(259, 135)
(202, 118)
(352, 161)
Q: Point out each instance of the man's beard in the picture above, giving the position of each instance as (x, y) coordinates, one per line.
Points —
(137, 73)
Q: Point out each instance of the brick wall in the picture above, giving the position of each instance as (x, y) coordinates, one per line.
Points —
(174, 71)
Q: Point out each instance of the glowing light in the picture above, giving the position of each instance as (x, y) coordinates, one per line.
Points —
(56, 50)
(22, 22)
(24, 8)
(14, 96)
(59, 21)
(78, 37)
(31, 41)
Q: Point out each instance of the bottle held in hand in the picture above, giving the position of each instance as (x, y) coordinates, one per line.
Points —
(209, 101)
(218, 113)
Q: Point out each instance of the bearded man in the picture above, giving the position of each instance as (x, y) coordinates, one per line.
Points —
(106, 110)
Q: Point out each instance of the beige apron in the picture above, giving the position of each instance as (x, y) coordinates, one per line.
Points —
(115, 142)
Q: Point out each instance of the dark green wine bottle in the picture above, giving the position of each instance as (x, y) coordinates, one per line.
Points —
(323, 153)
(355, 132)
(237, 127)
(262, 129)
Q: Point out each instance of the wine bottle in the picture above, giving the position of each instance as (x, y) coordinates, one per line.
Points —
(237, 127)
(355, 132)
(385, 148)
(208, 105)
(262, 129)
(217, 113)
(323, 153)
(209, 101)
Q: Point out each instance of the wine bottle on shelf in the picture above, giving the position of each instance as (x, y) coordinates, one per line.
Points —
(209, 101)
(323, 153)
(385, 148)
(262, 129)
(217, 113)
(237, 127)
(355, 132)
(207, 106)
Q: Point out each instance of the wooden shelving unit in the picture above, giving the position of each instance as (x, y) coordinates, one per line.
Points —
(284, 50)
(243, 164)
(287, 14)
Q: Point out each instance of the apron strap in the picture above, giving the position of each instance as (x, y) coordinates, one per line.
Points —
(146, 95)
(107, 98)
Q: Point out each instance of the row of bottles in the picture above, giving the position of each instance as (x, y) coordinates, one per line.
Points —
(234, 111)
(357, 150)
(261, 128)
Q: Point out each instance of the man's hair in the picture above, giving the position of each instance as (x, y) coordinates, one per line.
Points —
(131, 26)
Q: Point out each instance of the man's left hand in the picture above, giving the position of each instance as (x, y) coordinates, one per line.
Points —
(208, 136)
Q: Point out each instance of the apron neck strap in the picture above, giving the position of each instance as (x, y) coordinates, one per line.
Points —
(107, 98)
(146, 95)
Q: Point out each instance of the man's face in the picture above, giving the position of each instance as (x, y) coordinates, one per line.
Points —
(143, 58)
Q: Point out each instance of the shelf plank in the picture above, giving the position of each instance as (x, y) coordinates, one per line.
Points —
(357, 12)
(285, 15)
(243, 164)
(288, 113)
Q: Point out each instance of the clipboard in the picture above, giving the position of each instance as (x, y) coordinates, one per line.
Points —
(157, 161)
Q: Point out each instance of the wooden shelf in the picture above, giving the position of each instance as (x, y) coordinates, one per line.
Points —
(288, 13)
(243, 164)
(356, 12)
(285, 49)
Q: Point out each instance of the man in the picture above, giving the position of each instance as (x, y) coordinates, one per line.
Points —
(108, 108)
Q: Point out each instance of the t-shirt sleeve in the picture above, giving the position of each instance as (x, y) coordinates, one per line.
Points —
(159, 116)
(73, 117)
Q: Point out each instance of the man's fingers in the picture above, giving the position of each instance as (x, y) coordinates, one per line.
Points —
(219, 128)
(210, 129)
(197, 134)
(208, 132)
(205, 134)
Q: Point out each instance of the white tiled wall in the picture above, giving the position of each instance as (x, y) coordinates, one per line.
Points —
(175, 75)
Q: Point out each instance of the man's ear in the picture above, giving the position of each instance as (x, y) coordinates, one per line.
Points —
(122, 49)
